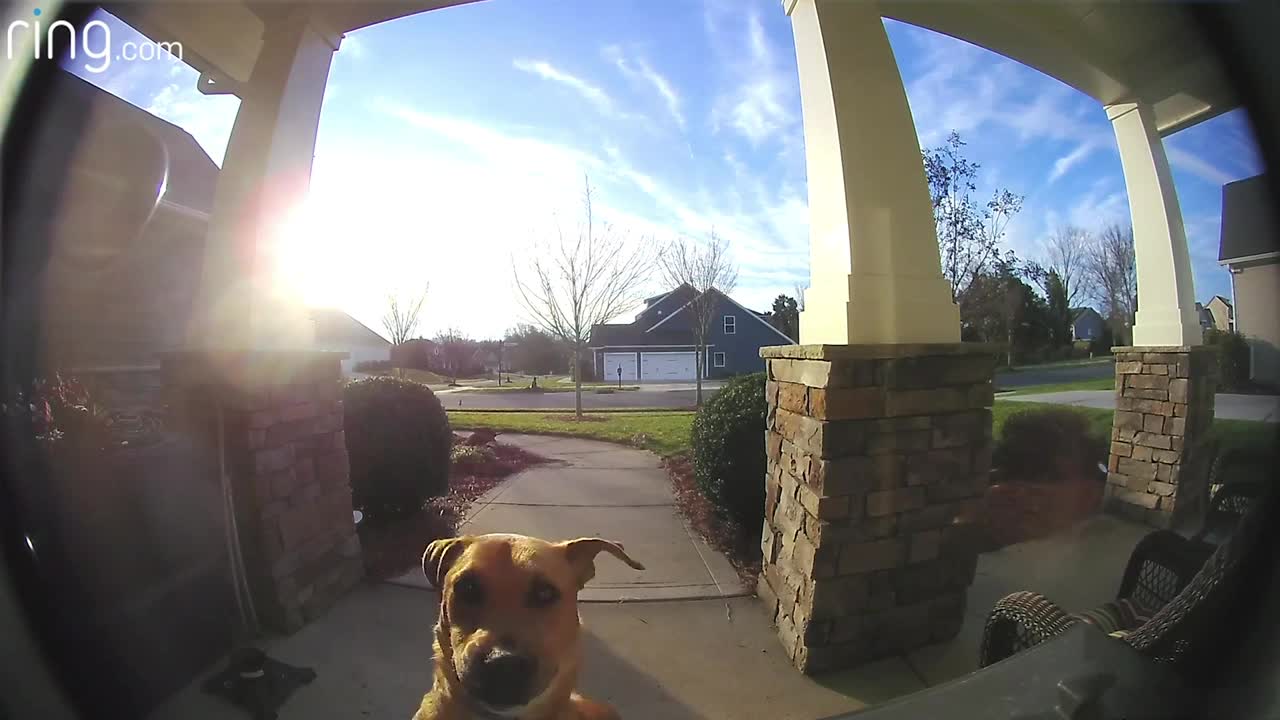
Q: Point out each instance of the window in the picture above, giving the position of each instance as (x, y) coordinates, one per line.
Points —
(730, 325)
(717, 359)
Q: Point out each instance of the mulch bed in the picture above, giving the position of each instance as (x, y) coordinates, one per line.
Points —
(395, 546)
(722, 534)
(1020, 510)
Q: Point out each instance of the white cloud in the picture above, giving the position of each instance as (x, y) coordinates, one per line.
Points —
(1063, 165)
(1197, 166)
(352, 47)
(760, 103)
(644, 72)
(591, 93)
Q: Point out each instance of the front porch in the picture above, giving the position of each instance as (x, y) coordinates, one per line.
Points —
(674, 660)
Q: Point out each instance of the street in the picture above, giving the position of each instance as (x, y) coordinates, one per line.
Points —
(654, 396)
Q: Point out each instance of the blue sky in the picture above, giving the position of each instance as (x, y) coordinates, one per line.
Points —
(452, 139)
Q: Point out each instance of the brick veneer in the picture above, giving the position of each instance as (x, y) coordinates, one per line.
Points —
(878, 457)
(285, 454)
(1164, 407)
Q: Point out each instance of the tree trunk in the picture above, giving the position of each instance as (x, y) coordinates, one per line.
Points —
(697, 371)
(577, 385)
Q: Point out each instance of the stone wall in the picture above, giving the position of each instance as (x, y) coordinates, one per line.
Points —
(285, 453)
(878, 457)
(1157, 472)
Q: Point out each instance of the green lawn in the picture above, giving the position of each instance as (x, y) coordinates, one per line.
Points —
(668, 430)
(1060, 363)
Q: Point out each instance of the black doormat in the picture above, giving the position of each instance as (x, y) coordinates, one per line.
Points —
(258, 684)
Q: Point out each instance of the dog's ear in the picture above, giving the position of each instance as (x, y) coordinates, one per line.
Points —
(582, 555)
(440, 556)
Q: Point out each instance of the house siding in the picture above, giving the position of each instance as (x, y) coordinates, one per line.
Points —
(1088, 326)
(1257, 288)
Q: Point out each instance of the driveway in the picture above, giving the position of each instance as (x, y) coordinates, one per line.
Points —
(1032, 375)
(597, 489)
(1259, 408)
(648, 396)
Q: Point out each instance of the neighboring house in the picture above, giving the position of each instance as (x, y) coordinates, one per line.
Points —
(659, 344)
(1221, 313)
(338, 331)
(1250, 251)
(1205, 317)
(1086, 324)
(418, 353)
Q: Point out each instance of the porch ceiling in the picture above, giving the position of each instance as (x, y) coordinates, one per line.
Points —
(223, 39)
(1113, 52)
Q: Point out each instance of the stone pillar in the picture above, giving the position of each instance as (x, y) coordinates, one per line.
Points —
(1158, 468)
(875, 272)
(276, 418)
(1166, 290)
(878, 456)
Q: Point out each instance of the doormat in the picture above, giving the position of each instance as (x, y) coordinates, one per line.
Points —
(257, 684)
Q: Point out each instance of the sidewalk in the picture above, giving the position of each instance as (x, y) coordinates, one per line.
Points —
(1258, 408)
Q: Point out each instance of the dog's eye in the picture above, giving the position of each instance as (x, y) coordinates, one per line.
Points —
(543, 594)
(468, 591)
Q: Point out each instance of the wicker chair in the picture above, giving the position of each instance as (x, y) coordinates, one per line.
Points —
(1168, 605)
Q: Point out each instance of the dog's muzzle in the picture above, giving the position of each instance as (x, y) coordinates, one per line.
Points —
(502, 679)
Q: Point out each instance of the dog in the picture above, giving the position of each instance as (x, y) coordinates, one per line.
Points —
(507, 641)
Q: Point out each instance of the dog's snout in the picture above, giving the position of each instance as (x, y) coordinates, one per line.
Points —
(504, 678)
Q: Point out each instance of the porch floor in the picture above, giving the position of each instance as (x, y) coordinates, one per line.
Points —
(681, 660)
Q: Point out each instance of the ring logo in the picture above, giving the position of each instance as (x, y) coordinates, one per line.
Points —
(93, 42)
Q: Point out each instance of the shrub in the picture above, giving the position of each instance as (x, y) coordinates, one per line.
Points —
(398, 439)
(728, 451)
(1051, 444)
(1232, 352)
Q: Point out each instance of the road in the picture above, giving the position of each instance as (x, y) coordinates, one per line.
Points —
(1051, 375)
(1258, 408)
(663, 396)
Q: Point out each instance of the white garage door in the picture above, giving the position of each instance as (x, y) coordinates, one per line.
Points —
(613, 361)
(668, 366)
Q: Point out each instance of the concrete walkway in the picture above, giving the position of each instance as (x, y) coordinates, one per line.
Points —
(1259, 408)
(604, 490)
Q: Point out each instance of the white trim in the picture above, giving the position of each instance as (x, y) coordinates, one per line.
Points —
(641, 345)
(677, 312)
(1250, 258)
(724, 324)
(723, 357)
(764, 322)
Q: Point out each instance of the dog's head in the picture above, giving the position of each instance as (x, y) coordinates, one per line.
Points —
(509, 612)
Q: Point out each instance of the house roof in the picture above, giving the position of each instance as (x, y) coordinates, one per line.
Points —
(334, 327)
(650, 328)
(1078, 311)
(1248, 228)
(192, 176)
(1224, 300)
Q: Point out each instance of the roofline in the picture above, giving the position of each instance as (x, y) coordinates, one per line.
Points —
(677, 312)
(1250, 258)
(736, 304)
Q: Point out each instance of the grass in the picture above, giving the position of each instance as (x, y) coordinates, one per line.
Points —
(667, 432)
(1059, 363)
(1104, 383)
(1253, 437)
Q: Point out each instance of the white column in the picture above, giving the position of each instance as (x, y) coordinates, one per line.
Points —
(1166, 292)
(875, 273)
(265, 176)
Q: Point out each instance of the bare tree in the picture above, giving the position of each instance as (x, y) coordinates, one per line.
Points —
(799, 299)
(1066, 254)
(706, 268)
(969, 234)
(572, 284)
(1113, 272)
(401, 318)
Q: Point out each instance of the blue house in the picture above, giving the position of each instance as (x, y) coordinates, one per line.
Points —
(659, 345)
(1086, 324)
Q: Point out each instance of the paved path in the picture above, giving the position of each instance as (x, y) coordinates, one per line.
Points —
(1259, 408)
(649, 396)
(605, 490)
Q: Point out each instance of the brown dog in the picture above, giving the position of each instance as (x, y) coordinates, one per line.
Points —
(507, 643)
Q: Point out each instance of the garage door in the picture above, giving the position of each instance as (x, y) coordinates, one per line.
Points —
(667, 366)
(612, 361)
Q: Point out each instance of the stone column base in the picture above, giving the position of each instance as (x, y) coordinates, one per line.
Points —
(277, 417)
(878, 456)
(1158, 468)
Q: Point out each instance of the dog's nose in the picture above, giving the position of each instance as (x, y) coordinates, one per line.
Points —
(503, 678)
